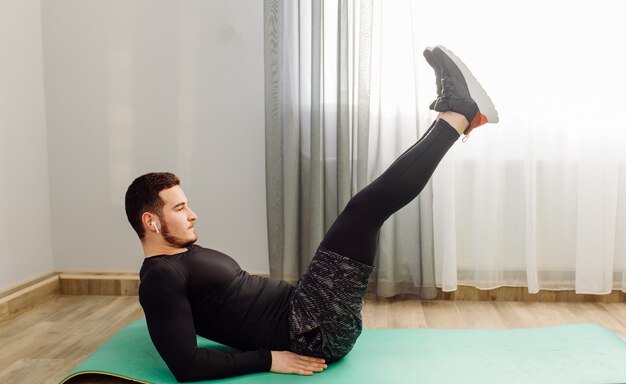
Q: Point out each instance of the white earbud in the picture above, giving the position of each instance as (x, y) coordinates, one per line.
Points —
(155, 227)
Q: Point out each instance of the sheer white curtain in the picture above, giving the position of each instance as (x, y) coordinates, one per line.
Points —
(539, 199)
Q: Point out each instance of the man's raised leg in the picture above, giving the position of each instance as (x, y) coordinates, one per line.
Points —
(325, 315)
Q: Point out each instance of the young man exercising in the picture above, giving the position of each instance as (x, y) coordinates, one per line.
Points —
(187, 290)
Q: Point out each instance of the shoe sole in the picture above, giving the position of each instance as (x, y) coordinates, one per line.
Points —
(476, 91)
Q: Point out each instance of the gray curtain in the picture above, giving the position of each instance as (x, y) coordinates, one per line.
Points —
(318, 100)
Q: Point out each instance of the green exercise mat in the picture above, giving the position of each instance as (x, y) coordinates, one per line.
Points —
(579, 353)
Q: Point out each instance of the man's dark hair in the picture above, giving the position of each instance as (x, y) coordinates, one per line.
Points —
(143, 196)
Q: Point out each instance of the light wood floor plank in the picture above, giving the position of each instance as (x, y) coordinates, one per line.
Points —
(405, 313)
(518, 315)
(32, 370)
(442, 314)
(479, 314)
(375, 313)
(617, 312)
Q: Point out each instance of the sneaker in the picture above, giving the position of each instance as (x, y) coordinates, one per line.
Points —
(459, 91)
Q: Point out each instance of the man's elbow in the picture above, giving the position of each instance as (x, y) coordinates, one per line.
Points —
(185, 375)
(184, 372)
(199, 366)
(188, 372)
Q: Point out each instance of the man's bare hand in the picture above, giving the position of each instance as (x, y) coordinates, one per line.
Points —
(289, 362)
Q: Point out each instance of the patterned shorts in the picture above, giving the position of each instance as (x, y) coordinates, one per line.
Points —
(325, 308)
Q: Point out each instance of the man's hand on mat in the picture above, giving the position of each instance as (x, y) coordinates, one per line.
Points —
(289, 362)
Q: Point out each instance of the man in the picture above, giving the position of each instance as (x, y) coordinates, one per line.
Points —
(187, 290)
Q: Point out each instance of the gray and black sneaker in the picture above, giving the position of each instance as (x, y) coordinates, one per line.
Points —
(458, 90)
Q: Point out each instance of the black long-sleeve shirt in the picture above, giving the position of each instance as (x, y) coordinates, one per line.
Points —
(205, 292)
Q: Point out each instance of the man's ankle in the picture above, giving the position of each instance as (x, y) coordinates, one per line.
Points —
(455, 119)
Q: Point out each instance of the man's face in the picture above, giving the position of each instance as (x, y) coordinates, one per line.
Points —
(177, 219)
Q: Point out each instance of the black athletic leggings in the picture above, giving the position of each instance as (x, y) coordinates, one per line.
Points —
(355, 232)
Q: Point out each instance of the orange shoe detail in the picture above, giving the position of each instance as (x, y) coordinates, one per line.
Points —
(478, 120)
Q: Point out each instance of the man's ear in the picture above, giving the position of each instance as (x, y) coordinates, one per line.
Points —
(147, 219)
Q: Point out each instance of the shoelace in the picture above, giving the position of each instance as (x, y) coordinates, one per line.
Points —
(448, 88)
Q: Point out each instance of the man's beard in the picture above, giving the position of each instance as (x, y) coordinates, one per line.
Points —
(173, 240)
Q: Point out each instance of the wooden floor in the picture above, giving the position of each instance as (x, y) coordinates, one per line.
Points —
(44, 344)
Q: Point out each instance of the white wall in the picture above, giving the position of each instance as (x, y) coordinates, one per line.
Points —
(133, 87)
(25, 244)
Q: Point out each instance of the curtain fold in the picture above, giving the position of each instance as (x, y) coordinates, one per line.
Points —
(329, 133)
